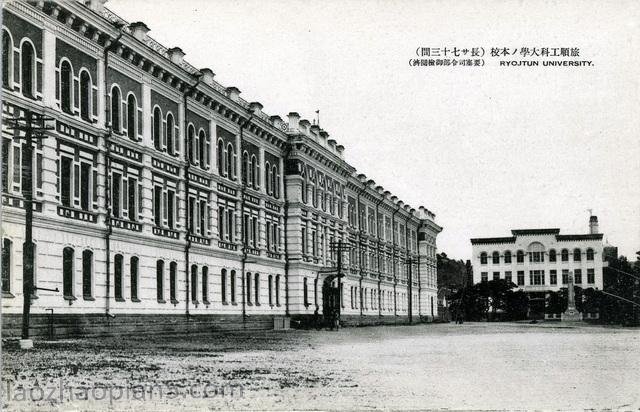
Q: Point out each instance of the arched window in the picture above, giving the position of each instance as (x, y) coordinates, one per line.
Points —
(270, 281)
(275, 182)
(576, 255)
(118, 263)
(205, 284)
(157, 128)
(229, 163)
(133, 272)
(520, 256)
(191, 139)
(132, 112)
(589, 254)
(483, 258)
(256, 288)
(248, 287)
(233, 286)
(203, 148)
(565, 255)
(194, 283)
(267, 178)
(495, 258)
(507, 256)
(67, 272)
(245, 168)
(305, 292)
(160, 280)
(552, 255)
(28, 65)
(85, 96)
(220, 158)
(278, 290)
(173, 281)
(170, 142)
(7, 59)
(6, 265)
(255, 172)
(116, 100)
(223, 285)
(66, 86)
(87, 274)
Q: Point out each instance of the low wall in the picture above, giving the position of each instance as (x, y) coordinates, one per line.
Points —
(65, 326)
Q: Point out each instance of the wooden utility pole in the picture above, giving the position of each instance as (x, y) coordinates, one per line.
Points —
(33, 125)
(339, 247)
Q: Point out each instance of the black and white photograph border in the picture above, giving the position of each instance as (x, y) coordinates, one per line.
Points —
(410, 205)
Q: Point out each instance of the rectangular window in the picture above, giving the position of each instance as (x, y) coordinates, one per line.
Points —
(132, 210)
(203, 217)
(521, 278)
(65, 182)
(39, 171)
(173, 280)
(157, 205)
(553, 277)
(6, 266)
(171, 204)
(577, 278)
(508, 276)
(565, 276)
(6, 145)
(192, 212)
(496, 275)
(17, 164)
(484, 276)
(591, 276)
(304, 241)
(85, 178)
(116, 195)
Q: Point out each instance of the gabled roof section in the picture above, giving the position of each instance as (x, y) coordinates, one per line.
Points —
(520, 232)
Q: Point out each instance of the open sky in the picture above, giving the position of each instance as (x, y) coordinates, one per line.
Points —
(488, 149)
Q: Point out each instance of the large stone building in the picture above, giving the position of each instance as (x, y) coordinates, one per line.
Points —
(541, 260)
(162, 196)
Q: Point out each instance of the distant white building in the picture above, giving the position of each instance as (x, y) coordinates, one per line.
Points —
(541, 260)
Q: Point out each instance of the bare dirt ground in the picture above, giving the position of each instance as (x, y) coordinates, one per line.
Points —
(470, 366)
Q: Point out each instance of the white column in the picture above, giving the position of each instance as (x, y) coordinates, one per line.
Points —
(49, 65)
(146, 113)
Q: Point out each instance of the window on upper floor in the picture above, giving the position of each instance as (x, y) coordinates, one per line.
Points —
(66, 87)
(156, 130)
(193, 148)
(28, 70)
(552, 255)
(577, 255)
(564, 255)
(7, 60)
(230, 164)
(507, 256)
(246, 176)
(85, 96)
(116, 101)
(204, 147)
(132, 117)
(255, 172)
(483, 258)
(495, 258)
(589, 254)
(220, 158)
(172, 144)
(520, 256)
(275, 181)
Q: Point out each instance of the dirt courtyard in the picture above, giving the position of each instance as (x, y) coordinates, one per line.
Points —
(470, 366)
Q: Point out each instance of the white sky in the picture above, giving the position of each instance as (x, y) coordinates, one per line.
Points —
(487, 149)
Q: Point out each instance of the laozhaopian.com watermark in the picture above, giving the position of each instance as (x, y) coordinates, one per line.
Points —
(61, 393)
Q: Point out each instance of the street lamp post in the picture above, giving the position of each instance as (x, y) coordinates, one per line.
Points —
(33, 124)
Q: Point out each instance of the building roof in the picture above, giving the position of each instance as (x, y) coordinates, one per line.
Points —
(594, 236)
(520, 232)
(488, 240)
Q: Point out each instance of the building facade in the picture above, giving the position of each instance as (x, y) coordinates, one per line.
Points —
(161, 195)
(541, 260)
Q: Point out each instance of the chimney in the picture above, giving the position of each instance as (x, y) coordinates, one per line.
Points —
(340, 150)
(96, 5)
(593, 225)
(233, 93)
(139, 30)
(207, 76)
(294, 119)
(175, 55)
(255, 107)
(304, 126)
